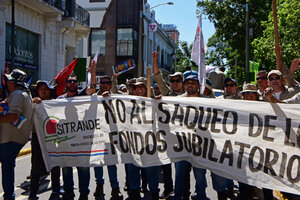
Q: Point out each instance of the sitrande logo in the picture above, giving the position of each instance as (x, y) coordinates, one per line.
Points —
(50, 131)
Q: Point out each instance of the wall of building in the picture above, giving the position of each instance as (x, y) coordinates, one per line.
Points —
(57, 39)
(157, 41)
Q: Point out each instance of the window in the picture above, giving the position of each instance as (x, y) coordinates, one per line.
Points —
(98, 41)
(125, 42)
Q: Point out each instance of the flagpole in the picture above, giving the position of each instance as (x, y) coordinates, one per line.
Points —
(277, 46)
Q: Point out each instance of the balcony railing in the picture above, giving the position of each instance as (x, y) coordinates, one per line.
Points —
(54, 3)
(71, 9)
(78, 13)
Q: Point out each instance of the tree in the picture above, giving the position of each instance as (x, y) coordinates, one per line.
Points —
(229, 21)
(183, 57)
(289, 23)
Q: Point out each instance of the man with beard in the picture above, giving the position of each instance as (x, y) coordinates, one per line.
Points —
(262, 82)
(183, 168)
(83, 172)
(105, 86)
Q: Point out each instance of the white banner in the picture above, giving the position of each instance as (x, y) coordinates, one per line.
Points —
(252, 142)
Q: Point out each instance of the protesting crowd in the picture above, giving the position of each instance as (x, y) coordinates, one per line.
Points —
(274, 86)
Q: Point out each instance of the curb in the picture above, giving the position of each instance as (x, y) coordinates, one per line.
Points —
(24, 152)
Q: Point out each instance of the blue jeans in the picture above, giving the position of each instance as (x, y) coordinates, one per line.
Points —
(182, 171)
(83, 178)
(9, 152)
(220, 183)
(134, 180)
(201, 183)
(112, 173)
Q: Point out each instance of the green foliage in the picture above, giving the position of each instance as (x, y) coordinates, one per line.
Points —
(229, 18)
(183, 57)
(289, 35)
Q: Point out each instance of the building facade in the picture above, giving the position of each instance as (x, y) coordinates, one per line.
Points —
(46, 35)
(171, 29)
(120, 30)
(158, 41)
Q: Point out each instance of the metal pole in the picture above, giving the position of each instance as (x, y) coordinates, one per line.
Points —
(175, 54)
(12, 30)
(235, 64)
(141, 32)
(247, 43)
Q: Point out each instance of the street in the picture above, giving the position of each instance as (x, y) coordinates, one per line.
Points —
(22, 170)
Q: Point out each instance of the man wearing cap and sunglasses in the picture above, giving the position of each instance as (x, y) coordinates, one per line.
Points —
(183, 168)
(175, 80)
(83, 172)
(105, 86)
(176, 83)
(231, 90)
(12, 139)
(277, 87)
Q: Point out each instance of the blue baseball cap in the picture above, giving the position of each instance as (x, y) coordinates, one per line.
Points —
(191, 77)
(191, 72)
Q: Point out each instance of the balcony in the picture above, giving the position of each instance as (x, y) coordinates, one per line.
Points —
(73, 10)
(70, 10)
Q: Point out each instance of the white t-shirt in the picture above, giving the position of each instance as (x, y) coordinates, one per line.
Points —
(277, 95)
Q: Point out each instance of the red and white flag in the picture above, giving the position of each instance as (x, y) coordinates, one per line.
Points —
(198, 54)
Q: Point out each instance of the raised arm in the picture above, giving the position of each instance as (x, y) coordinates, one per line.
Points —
(163, 88)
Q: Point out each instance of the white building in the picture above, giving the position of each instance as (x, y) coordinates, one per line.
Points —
(47, 35)
(158, 41)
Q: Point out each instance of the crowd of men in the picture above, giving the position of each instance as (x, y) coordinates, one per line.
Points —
(272, 87)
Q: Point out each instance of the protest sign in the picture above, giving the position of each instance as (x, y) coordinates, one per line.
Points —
(252, 142)
(124, 66)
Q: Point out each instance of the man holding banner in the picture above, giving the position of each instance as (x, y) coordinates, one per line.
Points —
(105, 86)
(192, 88)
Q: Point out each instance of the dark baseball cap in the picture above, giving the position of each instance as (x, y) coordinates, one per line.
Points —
(229, 79)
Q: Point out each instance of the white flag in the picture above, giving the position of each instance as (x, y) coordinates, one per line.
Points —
(198, 54)
(89, 76)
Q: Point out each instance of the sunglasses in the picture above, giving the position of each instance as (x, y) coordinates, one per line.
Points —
(175, 80)
(275, 78)
(105, 82)
(72, 81)
(261, 78)
(246, 93)
(230, 85)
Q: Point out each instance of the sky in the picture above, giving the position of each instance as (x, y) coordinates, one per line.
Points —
(183, 14)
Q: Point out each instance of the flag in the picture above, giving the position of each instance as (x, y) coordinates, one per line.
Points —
(89, 73)
(60, 79)
(254, 66)
(29, 81)
(6, 68)
(2, 75)
(198, 54)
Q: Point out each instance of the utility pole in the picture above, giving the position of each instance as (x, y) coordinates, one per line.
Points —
(247, 44)
(12, 36)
